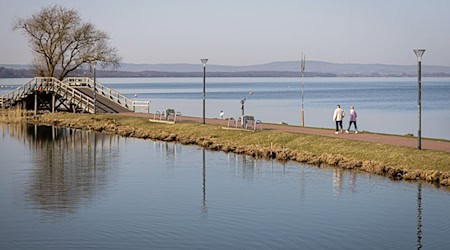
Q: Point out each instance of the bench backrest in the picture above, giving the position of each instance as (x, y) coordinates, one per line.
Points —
(170, 112)
(247, 118)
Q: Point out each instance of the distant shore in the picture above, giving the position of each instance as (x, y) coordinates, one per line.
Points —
(25, 73)
(270, 69)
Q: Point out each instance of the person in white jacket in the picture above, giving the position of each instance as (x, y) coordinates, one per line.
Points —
(338, 116)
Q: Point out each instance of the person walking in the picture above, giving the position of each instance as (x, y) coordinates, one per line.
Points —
(338, 116)
(353, 116)
(221, 114)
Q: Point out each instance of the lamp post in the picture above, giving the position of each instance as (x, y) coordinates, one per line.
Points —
(419, 53)
(204, 61)
(302, 67)
(243, 106)
(95, 87)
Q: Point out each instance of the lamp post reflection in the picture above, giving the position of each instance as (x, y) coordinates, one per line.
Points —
(419, 215)
(204, 207)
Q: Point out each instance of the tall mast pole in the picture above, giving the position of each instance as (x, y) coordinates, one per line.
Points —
(302, 67)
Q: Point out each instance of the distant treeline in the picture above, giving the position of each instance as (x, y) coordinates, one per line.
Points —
(209, 74)
(27, 73)
(15, 73)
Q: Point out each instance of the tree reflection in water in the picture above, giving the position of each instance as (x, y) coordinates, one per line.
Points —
(71, 166)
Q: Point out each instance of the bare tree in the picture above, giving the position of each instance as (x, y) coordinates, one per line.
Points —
(61, 42)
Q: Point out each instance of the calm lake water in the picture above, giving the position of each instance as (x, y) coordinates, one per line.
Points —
(387, 105)
(71, 189)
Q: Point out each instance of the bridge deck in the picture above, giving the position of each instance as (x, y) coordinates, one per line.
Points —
(103, 104)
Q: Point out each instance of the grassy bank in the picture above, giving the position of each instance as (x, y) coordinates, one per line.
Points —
(387, 160)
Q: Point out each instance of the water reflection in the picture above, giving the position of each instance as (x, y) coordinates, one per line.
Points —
(204, 207)
(352, 181)
(337, 181)
(71, 166)
(170, 152)
(244, 166)
(419, 215)
(302, 182)
(280, 205)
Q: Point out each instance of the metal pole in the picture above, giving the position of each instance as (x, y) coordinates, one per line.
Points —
(303, 72)
(95, 86)
(419, 54)
(419, 105)
(204, 61)
(303, 110)
(204, 90)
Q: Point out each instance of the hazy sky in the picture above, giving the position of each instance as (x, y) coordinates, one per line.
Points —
(244, 32)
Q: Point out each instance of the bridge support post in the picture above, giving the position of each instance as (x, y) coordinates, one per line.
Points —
(35, 103)
(53, 102)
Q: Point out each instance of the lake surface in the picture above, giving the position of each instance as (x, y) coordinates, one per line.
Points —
(71, 189)
(387, 105)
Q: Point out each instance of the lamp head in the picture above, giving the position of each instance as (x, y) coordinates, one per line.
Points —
(204, 61)
(419, 53)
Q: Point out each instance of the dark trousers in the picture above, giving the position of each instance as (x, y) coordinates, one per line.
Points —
(338, 125)
(350, 124)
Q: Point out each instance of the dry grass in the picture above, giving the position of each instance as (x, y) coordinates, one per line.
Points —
(15, 115)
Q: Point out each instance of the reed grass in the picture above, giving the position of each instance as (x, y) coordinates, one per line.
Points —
(15, 115)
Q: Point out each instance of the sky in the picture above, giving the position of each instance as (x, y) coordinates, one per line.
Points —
(247, 32)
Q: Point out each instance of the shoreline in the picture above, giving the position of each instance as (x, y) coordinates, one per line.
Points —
(394, 162)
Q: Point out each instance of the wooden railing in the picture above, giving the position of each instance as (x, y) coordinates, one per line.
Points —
(70, 94)
(11, 97)
(109, 93)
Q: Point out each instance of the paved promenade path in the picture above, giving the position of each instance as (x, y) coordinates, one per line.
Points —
(370, 137)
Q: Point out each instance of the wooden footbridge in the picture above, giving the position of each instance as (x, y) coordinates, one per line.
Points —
(73, 94)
